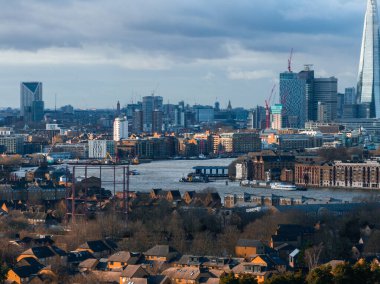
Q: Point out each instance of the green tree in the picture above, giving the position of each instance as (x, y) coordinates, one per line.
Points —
(362, 273)
(229, 279)
(3, 272)
(247, 279)
(241, 279)
(343, 274)
(286, 278)
(320, 275)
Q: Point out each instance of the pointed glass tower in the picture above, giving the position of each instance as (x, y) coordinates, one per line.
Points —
(369, 65)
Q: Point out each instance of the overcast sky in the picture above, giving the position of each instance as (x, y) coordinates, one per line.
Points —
(91, 53)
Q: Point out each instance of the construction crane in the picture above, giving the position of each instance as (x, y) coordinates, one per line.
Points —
(267, 108)
(290, 61)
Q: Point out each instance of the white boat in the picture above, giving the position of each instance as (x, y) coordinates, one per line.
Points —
(283, 186)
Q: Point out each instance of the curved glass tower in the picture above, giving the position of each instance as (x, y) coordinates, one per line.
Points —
(369, 65)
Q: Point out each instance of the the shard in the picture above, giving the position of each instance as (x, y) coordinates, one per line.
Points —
(369, 65)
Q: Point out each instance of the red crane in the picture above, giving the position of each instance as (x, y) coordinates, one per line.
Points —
(290, 61)
(267, 110)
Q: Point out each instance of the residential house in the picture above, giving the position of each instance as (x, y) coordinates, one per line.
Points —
(99, 248)
(76, 257)
(207, 199)
(132, 273)
(161, 253)
(259, 271)
(158, 193)
(173, 196)
(271, 262)
(88, 265)
(248, 248)
(291, 234)
(191, 261)
(119, 260)
(188, 196)
(26, 269)
(188, 275)
(44, 254)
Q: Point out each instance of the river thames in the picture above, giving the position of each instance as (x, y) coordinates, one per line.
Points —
(166, 175)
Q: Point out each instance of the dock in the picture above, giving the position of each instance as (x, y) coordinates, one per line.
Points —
(212, 171)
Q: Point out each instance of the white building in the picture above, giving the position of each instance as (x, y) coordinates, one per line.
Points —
(98, 149)
(120, 128)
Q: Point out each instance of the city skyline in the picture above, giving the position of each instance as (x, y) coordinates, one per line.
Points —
(195, 53)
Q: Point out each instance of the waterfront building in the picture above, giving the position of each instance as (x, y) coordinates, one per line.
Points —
(77, 151)
(120, 128)
(365, 174)
(31, 103)
(268, 166)
(98, 149)
(226, 142)
(368, 89)
(276, 112)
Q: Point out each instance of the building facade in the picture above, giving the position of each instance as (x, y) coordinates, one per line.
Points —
(368, 89)
(120, 128)
(326, 93)
(276, 112)
(293, 99)
(31, 103)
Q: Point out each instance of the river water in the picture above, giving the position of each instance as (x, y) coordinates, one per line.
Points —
(166, 175)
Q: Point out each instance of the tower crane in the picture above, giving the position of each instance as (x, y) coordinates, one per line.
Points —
(290, 61)
(267, 110)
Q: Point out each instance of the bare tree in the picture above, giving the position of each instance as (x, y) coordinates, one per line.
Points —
(312, 256)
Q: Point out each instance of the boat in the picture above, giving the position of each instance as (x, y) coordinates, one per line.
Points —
(134, 173)
(283, 186)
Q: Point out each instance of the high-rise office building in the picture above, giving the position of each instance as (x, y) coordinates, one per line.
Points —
(293, 99)
(120, 128)
(308, 75)
(157, 120)
(325, 93)
(137, 121)
(149, 104)
(350, 96)
(31, 104)
(368, 89)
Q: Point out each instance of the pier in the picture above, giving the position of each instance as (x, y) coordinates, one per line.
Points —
(212, 171)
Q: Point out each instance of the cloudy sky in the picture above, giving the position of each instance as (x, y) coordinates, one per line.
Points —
(91, 53)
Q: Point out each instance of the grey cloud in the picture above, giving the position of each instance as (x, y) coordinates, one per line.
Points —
(181, 29)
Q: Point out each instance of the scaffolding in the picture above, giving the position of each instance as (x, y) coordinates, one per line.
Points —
(111, 177)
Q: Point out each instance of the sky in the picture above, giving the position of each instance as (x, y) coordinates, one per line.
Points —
(92, 53)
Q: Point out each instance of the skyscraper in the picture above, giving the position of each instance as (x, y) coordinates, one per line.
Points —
(150, 104)
(369, 64)
(293, 99)
(31, 104)
(325, 98)
(120, 128)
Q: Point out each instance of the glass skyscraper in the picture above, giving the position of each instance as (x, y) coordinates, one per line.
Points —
(293, 100)
(369, 65)
(31, 104)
